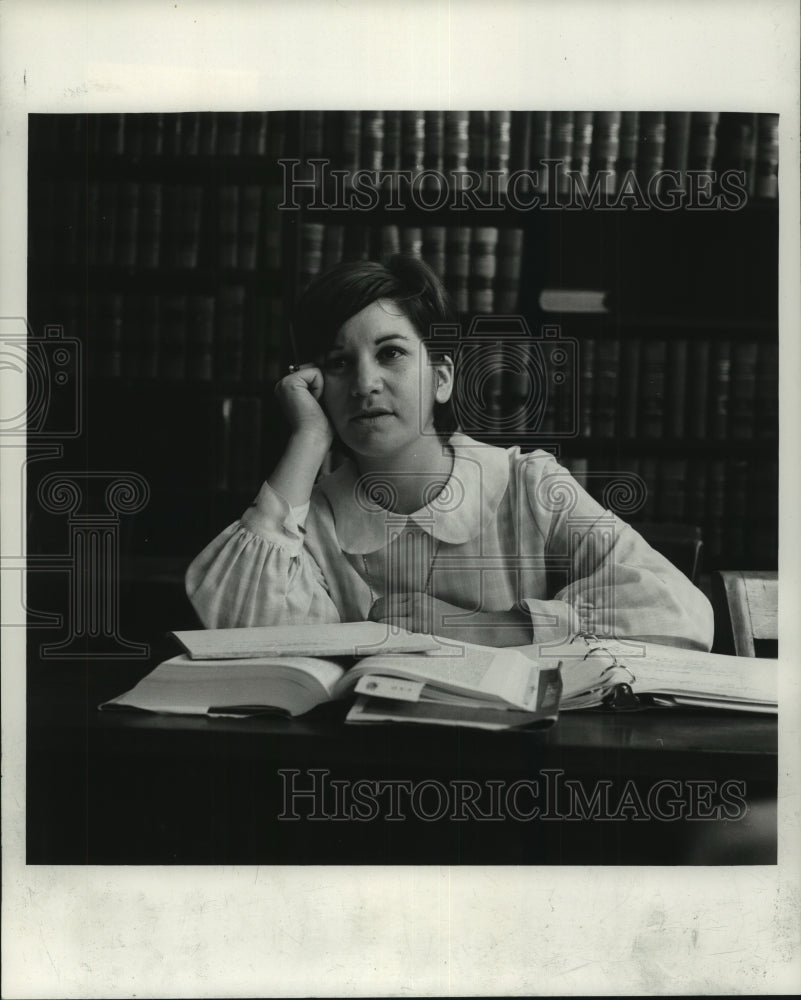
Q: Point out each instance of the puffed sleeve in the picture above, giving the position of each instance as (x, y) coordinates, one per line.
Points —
(609, 581)
(258, 571)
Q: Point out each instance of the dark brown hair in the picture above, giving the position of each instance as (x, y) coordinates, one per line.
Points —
(343, 291)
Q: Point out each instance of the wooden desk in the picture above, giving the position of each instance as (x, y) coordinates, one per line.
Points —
(114, 788)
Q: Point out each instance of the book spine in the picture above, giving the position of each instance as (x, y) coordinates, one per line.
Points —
(190, 134)
(392, 140)
(562, 142)
(676, 388)
(434, 249)
(311, 251)
(106, 234)
(153, 134)
(413, 141)
(434, 154)
(703, 140)
(483, 261)
(333, 245)
(478, 144)
(149, 336)
(389, 241)
(457, 143)
(519, 141)
(651, 147)
(766, 402)
(250, 224)
(351, 139)
(271, 220)
(677, 146)
(276, 134)
(200, 355)
(457, 266)
(229, 133)
(255, 326)
(742, 402)
(275, 339)
(606, 150)
(716, 509)
(738, 475)
(254, 133)
(607, 365)
(131, 328)
(510, 260)
(696, 492)
(652, 388)
(230, 334)
(173, 336)
(541, 124)
(173, 125)
(671, 497)
(587, 399)
(127, 224)
(698, 389)
(767, 163)
(105, 336)
(187, 246)
(151, 226)
(582, 143)
(209, 125)
(357, 243)
(737, 146)
(499, 148)
(719, 389)
(411, 240)
(630, 392)
(228, 226)
(629, 146)
(372, 155)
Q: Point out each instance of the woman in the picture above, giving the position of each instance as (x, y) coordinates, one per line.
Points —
(423, 527)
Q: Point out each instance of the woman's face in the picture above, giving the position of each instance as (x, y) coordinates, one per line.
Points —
(380, 385)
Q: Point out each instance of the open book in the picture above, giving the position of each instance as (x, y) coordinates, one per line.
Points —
(460, 685)
(595, 671)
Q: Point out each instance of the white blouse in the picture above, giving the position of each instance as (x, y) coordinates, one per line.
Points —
(508, 529)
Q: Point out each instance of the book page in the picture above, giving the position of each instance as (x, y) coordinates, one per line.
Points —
(504, 675)
(192, 687)
(338, 639)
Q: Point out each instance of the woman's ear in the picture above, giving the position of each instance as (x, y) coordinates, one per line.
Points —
(443, 379)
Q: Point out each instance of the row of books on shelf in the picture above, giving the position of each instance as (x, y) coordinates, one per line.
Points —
(732, 501)
(150, 225)
(190, 133)
(607, 146)
(480, 265)
(607, 389)
(229, 337)
(674, 389)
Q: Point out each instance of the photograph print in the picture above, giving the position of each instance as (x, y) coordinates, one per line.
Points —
(478, 410)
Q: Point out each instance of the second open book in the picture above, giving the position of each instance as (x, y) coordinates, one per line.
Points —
(408, 677)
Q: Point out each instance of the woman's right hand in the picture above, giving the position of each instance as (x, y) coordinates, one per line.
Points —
(299, 394)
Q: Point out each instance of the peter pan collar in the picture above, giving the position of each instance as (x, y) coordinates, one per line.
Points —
(470, 499)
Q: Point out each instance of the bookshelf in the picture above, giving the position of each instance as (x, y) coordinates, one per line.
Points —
(157, 241)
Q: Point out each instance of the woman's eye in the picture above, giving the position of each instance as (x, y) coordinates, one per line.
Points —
(335, 364)
(391, 353)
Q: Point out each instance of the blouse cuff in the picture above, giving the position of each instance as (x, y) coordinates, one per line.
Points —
(270, 515)
(552, 622)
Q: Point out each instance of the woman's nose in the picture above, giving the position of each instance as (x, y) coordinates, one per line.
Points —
(366, 378)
